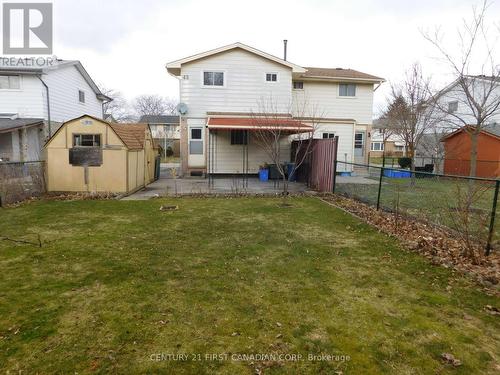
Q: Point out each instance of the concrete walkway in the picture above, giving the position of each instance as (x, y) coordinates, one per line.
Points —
(222, 185)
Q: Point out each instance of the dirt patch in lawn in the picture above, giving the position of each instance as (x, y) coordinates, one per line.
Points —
(441, 246)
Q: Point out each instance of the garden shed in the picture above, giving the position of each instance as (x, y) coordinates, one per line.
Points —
(88, 154)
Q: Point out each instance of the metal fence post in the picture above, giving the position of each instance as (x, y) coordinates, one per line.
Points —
(492, 219)
(380, 183)
(335, 150)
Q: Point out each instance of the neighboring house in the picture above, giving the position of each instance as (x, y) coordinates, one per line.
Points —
(452, 112)
(35, 101)
(88, 154)
(166, 131)
(223, 89)
(453, 109)
(457, 148)
(388, 145)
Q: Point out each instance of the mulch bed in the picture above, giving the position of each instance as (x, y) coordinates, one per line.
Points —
(438, 244)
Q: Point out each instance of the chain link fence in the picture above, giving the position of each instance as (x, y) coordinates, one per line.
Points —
(19, 181)
(464, 204)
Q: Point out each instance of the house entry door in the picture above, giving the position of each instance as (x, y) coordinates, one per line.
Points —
(359, 146)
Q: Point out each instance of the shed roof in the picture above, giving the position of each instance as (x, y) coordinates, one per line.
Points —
(490, 129)
(132, 135)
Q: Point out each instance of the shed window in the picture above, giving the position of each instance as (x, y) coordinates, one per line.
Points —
(271, 77)
(81, 96)
(239, 137)
(86, 140)
(213, 78)
(9, 82)
(347, 89)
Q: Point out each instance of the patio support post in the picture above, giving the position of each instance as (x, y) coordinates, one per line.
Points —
(247, 135)
(492, 218)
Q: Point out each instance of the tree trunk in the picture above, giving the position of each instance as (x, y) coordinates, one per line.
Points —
(473, 151)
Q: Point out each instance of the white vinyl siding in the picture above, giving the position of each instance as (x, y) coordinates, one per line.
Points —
(244, 84)
(28, 101)
(65, 85)
(324, 96)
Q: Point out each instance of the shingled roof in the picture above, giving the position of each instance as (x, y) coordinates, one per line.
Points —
(338, 73)
(133, 135)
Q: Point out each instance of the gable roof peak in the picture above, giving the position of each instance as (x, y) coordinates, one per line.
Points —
(174, 67)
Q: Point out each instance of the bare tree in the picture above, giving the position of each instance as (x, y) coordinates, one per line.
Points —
(408, 112)
(274, 129)
(473, 99)
(154, 105)
(118, 108)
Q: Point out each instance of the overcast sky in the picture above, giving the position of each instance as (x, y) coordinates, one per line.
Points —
(124, 44)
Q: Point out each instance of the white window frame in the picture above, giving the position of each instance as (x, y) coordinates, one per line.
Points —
(277, 77)
(13, 75)
(372, 148)
(348, 96)
(224, 77)
(191, 139)
(84, 96)
(93, 135)
(330, 135)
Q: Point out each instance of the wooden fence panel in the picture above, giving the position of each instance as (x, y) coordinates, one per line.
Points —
(323, 164)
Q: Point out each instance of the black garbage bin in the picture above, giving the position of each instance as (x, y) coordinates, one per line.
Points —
(274, 173)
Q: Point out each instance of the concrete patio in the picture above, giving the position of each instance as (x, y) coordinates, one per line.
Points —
(168, 186)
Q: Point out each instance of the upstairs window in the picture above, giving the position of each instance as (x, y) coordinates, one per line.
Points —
(271, 77)
(8, 82)
(453, 107)
(86, 140)
(239, 137)
(213, 79)
(298, 85)
(328, 135)
(81, 96)
(347, 89)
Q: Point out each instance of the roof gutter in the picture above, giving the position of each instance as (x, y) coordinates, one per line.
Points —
(48, 104)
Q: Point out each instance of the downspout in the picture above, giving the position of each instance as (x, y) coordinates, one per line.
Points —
(48, 104)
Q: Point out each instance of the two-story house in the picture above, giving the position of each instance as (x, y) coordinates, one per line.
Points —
(456, 110)
(165, 130)
(35, 101)
(223, 89)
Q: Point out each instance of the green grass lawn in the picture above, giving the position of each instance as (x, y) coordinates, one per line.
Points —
(118, 282)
